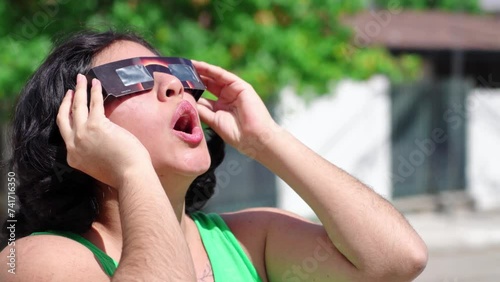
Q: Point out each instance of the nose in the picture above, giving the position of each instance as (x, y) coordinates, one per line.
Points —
(168, 85)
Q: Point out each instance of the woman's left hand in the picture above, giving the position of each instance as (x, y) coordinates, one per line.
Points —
(239, 116)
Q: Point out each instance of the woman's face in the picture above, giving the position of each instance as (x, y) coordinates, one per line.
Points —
(164, 118)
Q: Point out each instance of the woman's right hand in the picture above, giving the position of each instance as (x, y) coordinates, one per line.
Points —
(96, 145)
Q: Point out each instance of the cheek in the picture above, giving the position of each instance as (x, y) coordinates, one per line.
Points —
(141, 119)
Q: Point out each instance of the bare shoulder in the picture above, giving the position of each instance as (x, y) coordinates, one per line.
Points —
(49, 258)
(252, 228)
(252, 223)
(257, 220)
(293, 247)
(270, 223)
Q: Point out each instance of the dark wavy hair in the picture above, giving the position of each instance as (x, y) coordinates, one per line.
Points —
(51, 195)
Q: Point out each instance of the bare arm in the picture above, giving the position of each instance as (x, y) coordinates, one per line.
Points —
(154, 247)
(371, 238)
(372, 235)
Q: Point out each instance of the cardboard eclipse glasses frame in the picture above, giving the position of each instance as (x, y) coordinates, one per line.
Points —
(134, 75)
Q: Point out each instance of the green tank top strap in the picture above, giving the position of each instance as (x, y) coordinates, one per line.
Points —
(108, 264)
(229, 262)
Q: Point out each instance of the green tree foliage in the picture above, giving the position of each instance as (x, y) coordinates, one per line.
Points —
(270, 43)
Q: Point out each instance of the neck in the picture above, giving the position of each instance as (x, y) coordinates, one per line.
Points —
(108, 221)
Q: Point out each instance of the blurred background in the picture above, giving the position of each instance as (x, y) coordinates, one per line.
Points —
(400, 93)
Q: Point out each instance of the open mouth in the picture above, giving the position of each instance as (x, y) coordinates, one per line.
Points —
(185, 123)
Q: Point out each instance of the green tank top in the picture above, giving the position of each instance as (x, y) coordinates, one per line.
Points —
(229, 261)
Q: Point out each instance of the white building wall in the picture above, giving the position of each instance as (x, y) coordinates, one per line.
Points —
(483, 155)
(490, 5)
(350, 127)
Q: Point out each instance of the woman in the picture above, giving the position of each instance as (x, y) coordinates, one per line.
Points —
(138, 176)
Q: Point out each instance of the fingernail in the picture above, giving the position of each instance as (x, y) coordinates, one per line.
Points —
(79, 77)
(94, 82)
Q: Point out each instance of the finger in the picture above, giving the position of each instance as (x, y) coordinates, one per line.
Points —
(79, 109)
(227, 93)
(220, 75)
(64, 115)
(212, 85)
(96, 99)
(210, 104)
(206, 115)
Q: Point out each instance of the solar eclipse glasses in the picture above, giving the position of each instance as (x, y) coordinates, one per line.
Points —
(134, 75)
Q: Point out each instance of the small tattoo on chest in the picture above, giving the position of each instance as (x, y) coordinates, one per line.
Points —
(207, 275)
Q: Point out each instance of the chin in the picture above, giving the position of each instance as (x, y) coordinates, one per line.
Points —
(188, 165)
(196, 169)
